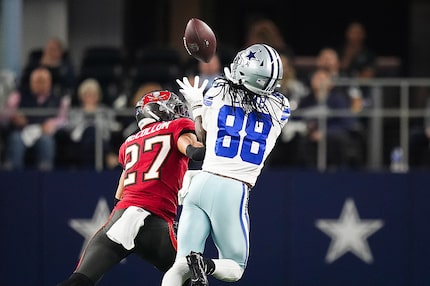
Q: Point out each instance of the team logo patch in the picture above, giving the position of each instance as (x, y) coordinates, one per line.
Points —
(156, 96)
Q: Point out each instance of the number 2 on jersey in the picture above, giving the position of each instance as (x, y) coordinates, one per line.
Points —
(229, 140)
(133, 151)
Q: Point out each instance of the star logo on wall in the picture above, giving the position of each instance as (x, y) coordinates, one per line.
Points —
(349, 233)
(88, 227)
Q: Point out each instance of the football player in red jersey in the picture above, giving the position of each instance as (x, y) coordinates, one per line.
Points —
(154, 162)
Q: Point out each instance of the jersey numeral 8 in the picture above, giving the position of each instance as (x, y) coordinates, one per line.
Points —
(253, 145)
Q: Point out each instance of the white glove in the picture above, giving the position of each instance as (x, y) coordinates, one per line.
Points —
(193, 94)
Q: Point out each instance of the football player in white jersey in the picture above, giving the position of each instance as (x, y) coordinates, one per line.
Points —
(240, 118)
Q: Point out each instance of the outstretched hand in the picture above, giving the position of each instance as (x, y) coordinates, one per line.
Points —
(193, 94)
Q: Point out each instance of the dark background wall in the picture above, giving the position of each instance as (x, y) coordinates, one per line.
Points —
(39, 246)
(306, 25)
(395, 28)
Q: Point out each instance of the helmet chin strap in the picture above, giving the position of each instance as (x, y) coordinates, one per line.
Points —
(145, 121)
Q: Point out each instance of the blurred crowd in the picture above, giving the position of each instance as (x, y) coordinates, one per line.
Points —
(57, 116)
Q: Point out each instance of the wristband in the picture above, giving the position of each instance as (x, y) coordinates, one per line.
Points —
(197, 111)
(195, 153)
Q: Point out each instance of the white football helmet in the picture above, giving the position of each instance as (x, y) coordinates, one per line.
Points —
(258, 68)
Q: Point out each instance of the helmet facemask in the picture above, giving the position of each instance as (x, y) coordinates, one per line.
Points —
(160, 106)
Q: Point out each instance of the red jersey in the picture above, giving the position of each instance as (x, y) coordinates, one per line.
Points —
(154, 167)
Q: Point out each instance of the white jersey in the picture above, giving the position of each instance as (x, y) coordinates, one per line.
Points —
(237, 144)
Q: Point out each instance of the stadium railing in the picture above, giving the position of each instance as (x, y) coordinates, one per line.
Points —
(390, 98)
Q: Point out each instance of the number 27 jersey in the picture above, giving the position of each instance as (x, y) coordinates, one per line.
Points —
(154, 167)
(237, 144)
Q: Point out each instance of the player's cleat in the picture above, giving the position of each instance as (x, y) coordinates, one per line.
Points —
(197, 268)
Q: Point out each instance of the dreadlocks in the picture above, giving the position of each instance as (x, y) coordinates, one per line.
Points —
(248, 100)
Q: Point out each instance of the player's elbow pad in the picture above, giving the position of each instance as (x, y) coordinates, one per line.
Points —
(196, 153)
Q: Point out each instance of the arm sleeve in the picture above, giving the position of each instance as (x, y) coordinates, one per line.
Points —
(196, 153)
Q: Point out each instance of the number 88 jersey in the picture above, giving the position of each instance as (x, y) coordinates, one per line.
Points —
(237, 144)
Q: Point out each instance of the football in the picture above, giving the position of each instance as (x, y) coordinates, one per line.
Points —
(199, 40)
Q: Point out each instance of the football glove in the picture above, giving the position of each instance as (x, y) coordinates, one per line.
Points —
(193, 94)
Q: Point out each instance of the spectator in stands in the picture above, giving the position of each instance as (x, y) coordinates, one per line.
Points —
(130, 123)
(285, 151)
(8, 96)
(265, 31)
(328, 60)
(356, 58)
(419, 143)
(127, 122)
(53, 57)
(209, 71)
(84, 123)
(340, 145)
(36, 131)
(290, 85)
